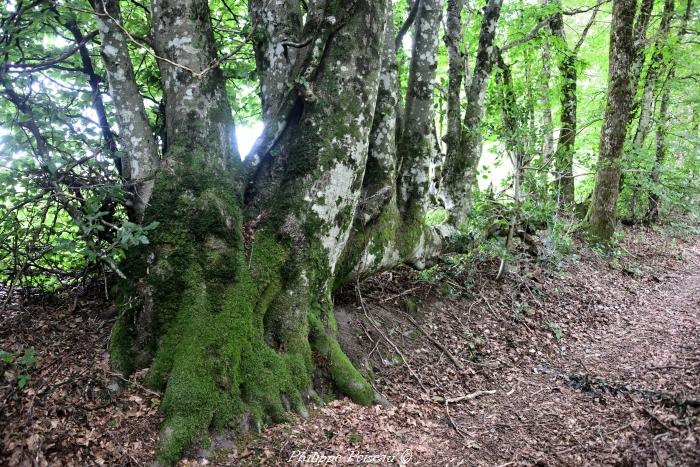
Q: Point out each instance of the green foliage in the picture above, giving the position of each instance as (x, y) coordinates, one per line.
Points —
(21, 364)
(556, 330)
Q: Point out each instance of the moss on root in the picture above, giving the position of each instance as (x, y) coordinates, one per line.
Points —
(338, 366)
(215, 359)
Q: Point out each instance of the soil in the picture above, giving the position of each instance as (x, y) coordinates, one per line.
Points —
(592, 360)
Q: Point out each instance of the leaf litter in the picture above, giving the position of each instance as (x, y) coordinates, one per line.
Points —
(595, 362)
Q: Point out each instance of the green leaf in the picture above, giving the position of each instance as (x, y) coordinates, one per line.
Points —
(29, 358)
(22, 380)
(7, 356)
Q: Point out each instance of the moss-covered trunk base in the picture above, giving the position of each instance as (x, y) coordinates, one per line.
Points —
(233, 330)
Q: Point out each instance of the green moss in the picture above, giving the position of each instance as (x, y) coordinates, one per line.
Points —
(233, 332)
(217, 364)
(338, 366)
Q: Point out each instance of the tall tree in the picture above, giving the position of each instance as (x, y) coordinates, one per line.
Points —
(662, 120)
(566, 143)
(459, 172)
(656, 64)
(602, 216)
(457, 70)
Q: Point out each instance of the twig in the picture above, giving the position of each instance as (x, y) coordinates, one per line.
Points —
(452, 422)
(388, 299)
(391, 343)
(437, 344)
(465, 397)
(133, 383)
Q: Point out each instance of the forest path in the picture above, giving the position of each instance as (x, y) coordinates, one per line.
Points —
(588, 362)
(598, 364)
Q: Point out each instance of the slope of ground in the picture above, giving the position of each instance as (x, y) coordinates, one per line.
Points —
(596, 362)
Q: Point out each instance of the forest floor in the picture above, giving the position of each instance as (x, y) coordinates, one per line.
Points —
(594, 361)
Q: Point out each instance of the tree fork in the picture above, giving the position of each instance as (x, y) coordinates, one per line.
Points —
(232, 325)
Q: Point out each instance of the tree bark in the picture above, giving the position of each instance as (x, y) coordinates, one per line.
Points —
(652, 214)
(230, 304)
(602, 216)
(455, 75)
(459, 173)
(140, 155)
(646, 106)
(547, 124)
(566, 143)
(564, 156)
(417, 147)
(278, 43)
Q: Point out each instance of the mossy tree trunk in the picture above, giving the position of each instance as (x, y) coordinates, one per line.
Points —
(564, 155)
(230, 304)
(459, 172)
(602, 216)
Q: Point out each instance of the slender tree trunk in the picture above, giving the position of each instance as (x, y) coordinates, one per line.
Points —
(417, 146)
(459, 173)
(140, 160)
(564, 156)
(640, 38)
(455, 75)
(566, 143)
(658, 59)
(545, 103)
(602, 216)
(652, 214)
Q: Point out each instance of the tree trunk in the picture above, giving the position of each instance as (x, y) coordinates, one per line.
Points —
(417, 146)
(652, 214)
(646, 106)
(277, 40)
(602, 216)
(564, 156)
(140, 160)
(234, 312)
(547, 125)
(455, 75)
(459, 172)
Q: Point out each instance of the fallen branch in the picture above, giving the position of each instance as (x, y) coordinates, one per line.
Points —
(437, 344)
(389, 341)
(466, 397)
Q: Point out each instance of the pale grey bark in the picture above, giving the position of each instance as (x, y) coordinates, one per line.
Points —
(196, 104)
(277, 40)
(418, 146)
(379, 182)
(456, 72)
(140, 154)
(656, 64)
(602, 216)
(460, 171)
